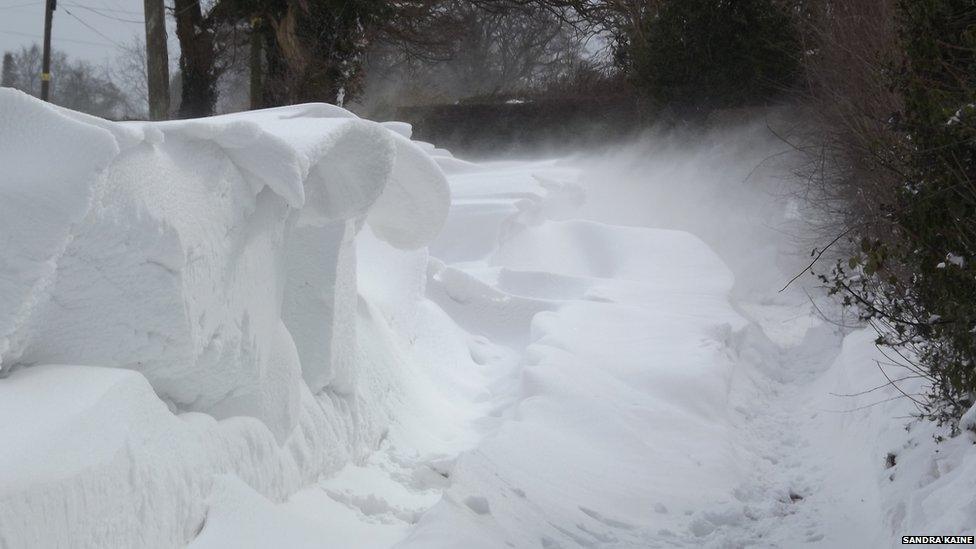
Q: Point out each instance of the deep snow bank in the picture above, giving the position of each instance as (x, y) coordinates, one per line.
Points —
(214, 257)
(203, 254)
(912, 476)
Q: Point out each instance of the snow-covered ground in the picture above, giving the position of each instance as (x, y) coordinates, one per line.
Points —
(295, 328)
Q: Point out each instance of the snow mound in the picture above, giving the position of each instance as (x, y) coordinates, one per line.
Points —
(594, 250)
(109, 465)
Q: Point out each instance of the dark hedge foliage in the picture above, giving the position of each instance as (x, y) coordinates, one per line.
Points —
(918, 284)
(708, 54)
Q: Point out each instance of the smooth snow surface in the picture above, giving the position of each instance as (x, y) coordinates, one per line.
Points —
(289, 328)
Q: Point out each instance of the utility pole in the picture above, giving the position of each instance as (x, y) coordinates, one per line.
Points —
(257, 86)
(49, 7)
(157, 60)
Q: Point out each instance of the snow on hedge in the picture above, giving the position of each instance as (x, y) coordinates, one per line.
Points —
(215, 258)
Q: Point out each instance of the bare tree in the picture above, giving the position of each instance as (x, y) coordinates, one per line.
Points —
(83, 87)
(27, 63)
(624, 20)
(79, 85)
(851, 51)
(481, 50)
(129, 70)
(500, 51)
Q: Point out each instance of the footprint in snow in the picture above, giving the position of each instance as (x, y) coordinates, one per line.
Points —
(478, 504)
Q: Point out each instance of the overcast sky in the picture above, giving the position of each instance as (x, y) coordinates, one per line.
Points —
(84, 29)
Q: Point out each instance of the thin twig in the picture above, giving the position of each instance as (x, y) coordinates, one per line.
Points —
(815, 259)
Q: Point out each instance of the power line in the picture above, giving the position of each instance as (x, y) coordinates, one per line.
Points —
(111, 10)
(98, 11)
(93, 29)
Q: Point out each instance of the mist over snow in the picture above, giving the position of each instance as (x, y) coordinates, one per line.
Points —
(294, 327)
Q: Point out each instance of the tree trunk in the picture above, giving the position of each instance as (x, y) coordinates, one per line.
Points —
(307, 40)
(276, 76)
(197, 55)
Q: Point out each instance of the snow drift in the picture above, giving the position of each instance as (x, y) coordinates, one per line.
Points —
(215, 258)
(195, 252)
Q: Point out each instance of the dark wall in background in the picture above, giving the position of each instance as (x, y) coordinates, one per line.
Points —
(517, 129)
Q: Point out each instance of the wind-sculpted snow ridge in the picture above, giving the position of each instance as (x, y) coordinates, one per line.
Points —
(215, 259)
(624, 391)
